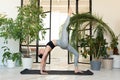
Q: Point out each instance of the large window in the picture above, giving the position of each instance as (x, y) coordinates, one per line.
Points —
(56, 11)
(80, 6)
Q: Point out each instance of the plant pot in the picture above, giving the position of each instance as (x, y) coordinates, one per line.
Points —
(27, 63)
(116, 61)
(95, 65)
(107, 63)
(10, 63)
(17, 63)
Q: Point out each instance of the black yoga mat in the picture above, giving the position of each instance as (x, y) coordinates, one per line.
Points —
(57, 72)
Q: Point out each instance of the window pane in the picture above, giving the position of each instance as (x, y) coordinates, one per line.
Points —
(60, 6)
(46, 21)
(83, 6)
(45, 4)
(25, 2)
(73, 5)
(44, 41)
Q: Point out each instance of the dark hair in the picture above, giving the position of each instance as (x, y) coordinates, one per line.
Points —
(40, 56)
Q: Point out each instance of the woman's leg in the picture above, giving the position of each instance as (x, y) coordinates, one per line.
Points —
(76, 56)
(63, 41)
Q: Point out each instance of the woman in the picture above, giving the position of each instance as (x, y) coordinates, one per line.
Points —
(63, 43)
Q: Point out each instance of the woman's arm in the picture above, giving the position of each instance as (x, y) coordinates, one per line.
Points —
(44, 58)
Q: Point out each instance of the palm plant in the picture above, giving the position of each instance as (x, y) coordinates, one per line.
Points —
(94, 46)
(79, 23)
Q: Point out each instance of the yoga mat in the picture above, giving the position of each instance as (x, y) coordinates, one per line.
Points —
(57, 72)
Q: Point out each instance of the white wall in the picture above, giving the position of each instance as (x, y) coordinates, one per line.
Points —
(9, 8)
(110, 13)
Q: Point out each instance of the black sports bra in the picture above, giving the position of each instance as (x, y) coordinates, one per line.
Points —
(51, 44)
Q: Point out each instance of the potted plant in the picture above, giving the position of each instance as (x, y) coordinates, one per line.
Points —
(7, 55)
(11, 58)
(98, 51)
(107, 62)
(26, 27)
(111, 60)
(93, 45)
(115, 56)
(30, 21)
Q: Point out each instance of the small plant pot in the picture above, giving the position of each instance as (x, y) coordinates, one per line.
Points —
(95, 65)
(10, 63)
(27, 63)
(17, 63)
(107, 63)
(116, 61)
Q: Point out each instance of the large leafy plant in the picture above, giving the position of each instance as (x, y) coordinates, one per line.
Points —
(27, 25)
(80, 23)
(30, 21)
(94, 47)
(6, 26)
(8, 55)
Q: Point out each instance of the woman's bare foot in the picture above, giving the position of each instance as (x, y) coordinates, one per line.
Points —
(43, 73)
(77, 71)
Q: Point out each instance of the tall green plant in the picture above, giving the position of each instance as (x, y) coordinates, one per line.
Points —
(6, 25)
(30, 21)
(79, 23)
(27, 25)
